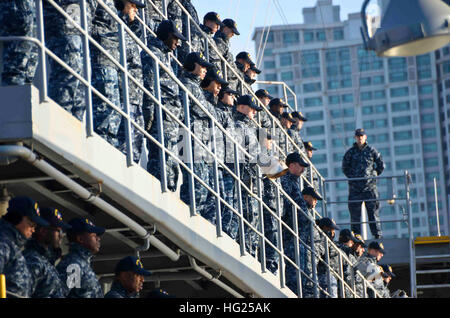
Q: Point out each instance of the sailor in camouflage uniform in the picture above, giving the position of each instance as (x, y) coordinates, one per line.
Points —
(328, 226)
(250, 77)
(225, 151)
(63, 39)
(20, 58)
(242, 64)
(368, 263)
(127, 12)
(202, 41)
(105, 75)
(264, 118)
(291, 185)
(196, 68)
(357, 250)
(16, 227)
(388, 274)
(39, 256)
(129, 278)
(74, 269)
(283, 141)
(168, 36)
(310, 175)
(346, 241)
(247, 137)
(222, 39)
(361, 161)
(300, 119)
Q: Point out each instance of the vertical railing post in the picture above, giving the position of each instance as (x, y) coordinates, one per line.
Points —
(297, 251)
(437, 207)
(327, 262)
(240, 208)
(262, 243)
(159, 121)
(144, 19)
(280, 240)
(43, 91)
(189, 152)
(216, 182)
(324, 202)
(125, 97)
(313, 260)
(341, 277)
(87, 70)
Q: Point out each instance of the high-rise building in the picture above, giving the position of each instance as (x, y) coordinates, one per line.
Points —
(402, 103)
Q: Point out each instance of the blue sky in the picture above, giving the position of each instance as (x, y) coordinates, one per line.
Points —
(253, 13)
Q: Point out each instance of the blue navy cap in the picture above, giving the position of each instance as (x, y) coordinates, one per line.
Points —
(360, 132)
(54, 218)
(245, 56)
(288, 117)
(299, 115)
(131, 264)
(328, 222)
(232, 25)
(254, 68)
(195, 57)
(138, 4)
(27, 207)
(81, 225)
(277, 102)
(388, 270)
(249, 101)
(360, 240)
(263, 93)
(213, 16)
(308, 145)
(348, 234)
(377, 246)
(312, 192)
(214, 74)
(168, 26)
(295, 157)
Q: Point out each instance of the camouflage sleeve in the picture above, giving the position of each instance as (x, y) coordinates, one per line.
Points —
(37, 270)
(175, 13)
(4, 256)
(378, 159)
(346, 164)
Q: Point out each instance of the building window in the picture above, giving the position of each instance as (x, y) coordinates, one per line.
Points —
(315, 130)
(321, 36)
(429, 133)
(425, 89)
(404, 150)
(287, 76)
(430, 147)
(401, 121)
(318, 159)
(347, 98)
(312, 87)
(404, 164)
(426, 103)
(428, 118)
(399, 92)
(403, 135)
(285, 59)
(338, 34)
(314, 115)
(401, 106)
(313, 101)
(380, 109)
(365, 81)
(333, 99)
(397, 69)
(291, 37)
(379, 94)
(271, 77)
(376, 80)
(446, 67)
(366, 96)
(431, 162)
(269, 64)
(308, 36)
(380, 123)
(367, 110)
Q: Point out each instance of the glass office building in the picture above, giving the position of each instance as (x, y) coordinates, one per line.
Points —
(402, 103)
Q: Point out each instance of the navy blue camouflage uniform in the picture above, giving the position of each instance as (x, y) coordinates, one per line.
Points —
(223, 46)
(170, 99)
(64, 40)
(365, 162)
(118, 291)
(105, 75)
(12, 262)
(77, 277)
(322, 271)
(20, 58)
(45, 279)
(291, 185)
(202, 166)
(135, 94)
(347, 269)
